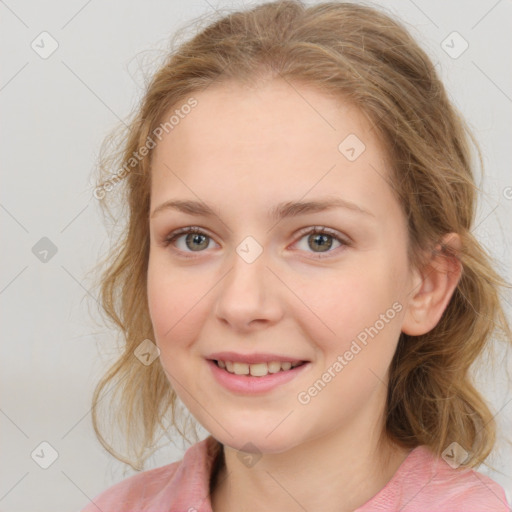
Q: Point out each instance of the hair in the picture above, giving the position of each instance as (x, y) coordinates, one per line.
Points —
(360, 55)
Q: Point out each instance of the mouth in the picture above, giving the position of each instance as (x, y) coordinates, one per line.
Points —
(256, 374)
(261, 369)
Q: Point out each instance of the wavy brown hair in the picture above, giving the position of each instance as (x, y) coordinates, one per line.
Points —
(358, 54)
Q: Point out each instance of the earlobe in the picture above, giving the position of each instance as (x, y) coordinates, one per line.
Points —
(433, 287)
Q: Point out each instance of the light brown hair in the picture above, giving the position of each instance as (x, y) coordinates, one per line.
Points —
(361, 55)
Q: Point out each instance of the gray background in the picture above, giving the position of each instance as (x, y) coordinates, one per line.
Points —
(55, 113)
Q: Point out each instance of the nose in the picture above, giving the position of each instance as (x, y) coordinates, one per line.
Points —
(249, 296)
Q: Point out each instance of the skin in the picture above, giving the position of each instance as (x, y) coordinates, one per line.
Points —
(242, 150)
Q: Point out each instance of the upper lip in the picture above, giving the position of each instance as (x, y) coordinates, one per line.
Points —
(252, 358)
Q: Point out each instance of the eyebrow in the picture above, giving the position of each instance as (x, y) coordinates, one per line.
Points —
(278, 212)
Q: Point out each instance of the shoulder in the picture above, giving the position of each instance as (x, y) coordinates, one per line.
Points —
(465, 490)
(182, 485)
(136, 491)
(425, 482)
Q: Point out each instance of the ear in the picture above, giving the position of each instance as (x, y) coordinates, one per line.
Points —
(433, 287)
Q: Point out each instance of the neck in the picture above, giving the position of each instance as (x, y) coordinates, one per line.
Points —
(338, 471)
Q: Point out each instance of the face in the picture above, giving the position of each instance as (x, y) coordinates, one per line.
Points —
(266, 287)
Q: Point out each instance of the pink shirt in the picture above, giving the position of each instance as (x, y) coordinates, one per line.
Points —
(421, 483)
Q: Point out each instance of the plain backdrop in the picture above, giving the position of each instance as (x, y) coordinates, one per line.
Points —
(55, 111)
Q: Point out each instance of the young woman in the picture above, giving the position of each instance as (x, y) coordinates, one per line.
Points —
(299, 270)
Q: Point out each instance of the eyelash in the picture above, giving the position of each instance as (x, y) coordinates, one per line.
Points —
(169, 239)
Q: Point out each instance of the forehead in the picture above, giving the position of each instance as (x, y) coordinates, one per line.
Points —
(275, 138)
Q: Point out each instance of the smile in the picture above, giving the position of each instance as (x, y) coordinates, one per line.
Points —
(257, 369)
(255, 378)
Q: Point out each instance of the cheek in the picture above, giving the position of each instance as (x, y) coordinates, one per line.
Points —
(364, 312)
(161, 296)
(339, 307)
(361, 350)
(173, 302)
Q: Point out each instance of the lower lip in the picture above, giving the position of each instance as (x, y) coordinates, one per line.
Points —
(253, 385)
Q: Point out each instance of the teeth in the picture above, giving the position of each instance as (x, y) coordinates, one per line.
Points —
(257, 369)
(241, 368)
(274, 367)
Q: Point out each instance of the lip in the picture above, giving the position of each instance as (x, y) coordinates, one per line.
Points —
(246, 384)
(252, 358)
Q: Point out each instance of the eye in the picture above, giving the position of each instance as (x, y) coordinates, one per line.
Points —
(194, 239)
(321, 238)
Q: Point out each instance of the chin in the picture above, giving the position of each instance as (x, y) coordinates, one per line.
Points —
(256, 440)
